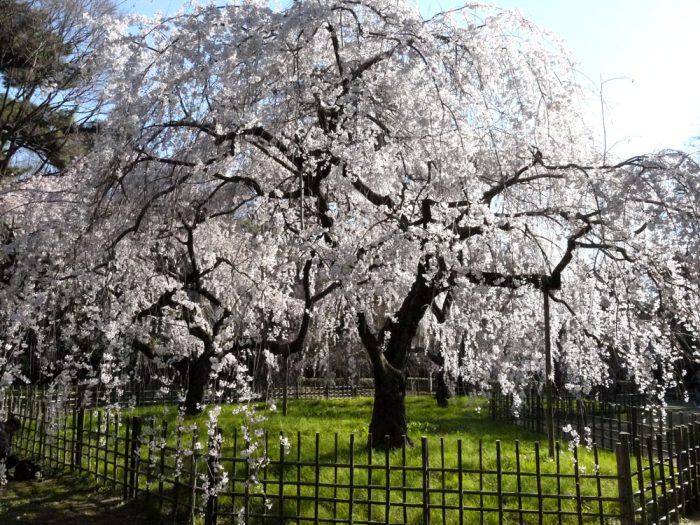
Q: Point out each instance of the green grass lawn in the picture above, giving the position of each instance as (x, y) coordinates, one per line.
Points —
(465, 426)
(465, 418)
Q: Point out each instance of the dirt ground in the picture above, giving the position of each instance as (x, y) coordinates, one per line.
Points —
(65, 501)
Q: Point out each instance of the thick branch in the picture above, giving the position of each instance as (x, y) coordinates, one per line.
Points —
(369, 340)
(156, 309)
(490, 194)
(367, 192)
(568, 254)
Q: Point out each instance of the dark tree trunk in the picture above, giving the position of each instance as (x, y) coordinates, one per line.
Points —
(388, 351)
(389, 410)
(197, 380)
(442, 391)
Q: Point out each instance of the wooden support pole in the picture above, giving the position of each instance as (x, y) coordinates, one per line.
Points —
(285, 384)
(548, 376)
(624, 480)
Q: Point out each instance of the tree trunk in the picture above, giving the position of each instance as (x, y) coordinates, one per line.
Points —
(389, 411)
(443, 391)
(197, 380)
(388, 353)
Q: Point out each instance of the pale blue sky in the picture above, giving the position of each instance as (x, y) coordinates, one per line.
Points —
(650, 46)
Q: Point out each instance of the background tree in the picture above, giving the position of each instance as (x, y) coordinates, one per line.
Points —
(49, 99)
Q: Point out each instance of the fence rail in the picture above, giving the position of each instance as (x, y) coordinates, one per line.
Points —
(147, 396)
(322, 389)
(660, 444)
(340, 479)
(593, 420)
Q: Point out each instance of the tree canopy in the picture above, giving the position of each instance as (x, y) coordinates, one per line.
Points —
(281, 180)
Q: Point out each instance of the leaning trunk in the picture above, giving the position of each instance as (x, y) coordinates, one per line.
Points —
(197, 380)
(388, 354)
(388, 425)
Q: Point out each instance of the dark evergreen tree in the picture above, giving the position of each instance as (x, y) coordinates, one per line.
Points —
(48, 110)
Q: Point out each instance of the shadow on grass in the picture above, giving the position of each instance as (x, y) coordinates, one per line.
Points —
(68, 500)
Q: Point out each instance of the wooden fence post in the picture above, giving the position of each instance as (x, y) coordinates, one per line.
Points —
(193, 472)
(499, 482)
(42, 427)
(694, 457)
(214, 449)
(426, 480)
(161, 464)
(624, 480)
(580, 417)
(79, 424)
(280, 488)
(135, 456)
(127, 460)
(246, 485)
(351, 468)
(285, 384)
(639, 453)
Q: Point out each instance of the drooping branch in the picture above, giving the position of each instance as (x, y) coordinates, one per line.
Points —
(605, 247)
(502, 280)
(297, 344)
(490, 194)
(144, 209)
(552, 172)
(287, 347)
